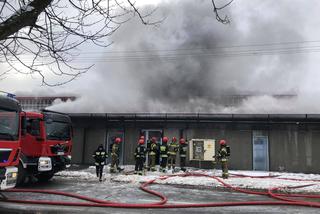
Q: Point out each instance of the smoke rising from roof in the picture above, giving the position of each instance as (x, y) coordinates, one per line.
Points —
(190, 60)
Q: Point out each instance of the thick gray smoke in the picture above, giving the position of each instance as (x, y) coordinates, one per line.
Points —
(189, 61)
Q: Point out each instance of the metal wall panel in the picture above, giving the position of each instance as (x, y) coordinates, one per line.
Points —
(93, 138)
(78, 144)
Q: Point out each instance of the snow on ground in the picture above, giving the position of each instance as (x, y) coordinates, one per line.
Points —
(280, 179)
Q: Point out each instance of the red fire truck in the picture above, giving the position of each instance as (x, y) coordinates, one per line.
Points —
(11, 132)
(46, 146)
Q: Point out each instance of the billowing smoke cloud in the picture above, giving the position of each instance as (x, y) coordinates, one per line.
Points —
(189, 61)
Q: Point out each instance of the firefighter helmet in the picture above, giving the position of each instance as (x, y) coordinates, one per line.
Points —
(141, 141)
(174, 139)
(182, 141)
(165, 139)
(142, 137)
(117, 140)
(154, 139)
(222, 142)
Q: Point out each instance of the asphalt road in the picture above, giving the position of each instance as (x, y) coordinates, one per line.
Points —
(128, 192)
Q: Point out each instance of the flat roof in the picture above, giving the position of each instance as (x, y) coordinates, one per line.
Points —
(199, 117)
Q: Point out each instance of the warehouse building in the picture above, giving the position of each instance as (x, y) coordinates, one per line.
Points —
(274, 142)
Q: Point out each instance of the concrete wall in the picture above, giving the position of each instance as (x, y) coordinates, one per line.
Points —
(78, 145)
(93, 138)
(315, 148)
(294, 150)
(131, 136)
(240, 142)
(171, 132)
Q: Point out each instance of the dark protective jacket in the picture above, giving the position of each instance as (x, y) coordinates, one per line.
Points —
(100, 156)
(183, 148)
(140, 151)
(164, 150)
(223, 153)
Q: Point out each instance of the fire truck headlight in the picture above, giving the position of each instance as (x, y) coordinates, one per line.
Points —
(44, 164)
(11, 177)
(14, 175)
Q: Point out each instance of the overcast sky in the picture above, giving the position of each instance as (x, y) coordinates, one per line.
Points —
(270, 47)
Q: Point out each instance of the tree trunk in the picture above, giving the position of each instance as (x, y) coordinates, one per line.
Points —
(23, 17)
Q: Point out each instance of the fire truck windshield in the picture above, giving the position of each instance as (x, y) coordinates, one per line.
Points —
(58, 131)
(9, 125)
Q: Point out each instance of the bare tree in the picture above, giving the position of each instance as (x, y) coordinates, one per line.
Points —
(41, 37)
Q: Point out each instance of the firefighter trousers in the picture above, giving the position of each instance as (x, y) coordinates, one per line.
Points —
(139, 164)
(163, 163)
(114, 163)
(183, 163)
(224, 167)
(152, 162)
(172, 161)
(99, 171)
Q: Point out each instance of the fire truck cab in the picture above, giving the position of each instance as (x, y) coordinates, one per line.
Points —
(46, 147)
(10, 136)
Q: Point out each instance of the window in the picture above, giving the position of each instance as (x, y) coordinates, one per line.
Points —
(33, 127)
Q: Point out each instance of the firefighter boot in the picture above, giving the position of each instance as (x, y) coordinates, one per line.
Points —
(225, 175)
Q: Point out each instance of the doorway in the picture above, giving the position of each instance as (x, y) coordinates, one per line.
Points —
(150, 133)
(260, 145)
(111, 135)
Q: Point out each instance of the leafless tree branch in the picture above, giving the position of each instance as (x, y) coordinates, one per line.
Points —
(216, 10)
(42, 37)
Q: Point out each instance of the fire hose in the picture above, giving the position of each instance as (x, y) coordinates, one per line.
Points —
(281, 198)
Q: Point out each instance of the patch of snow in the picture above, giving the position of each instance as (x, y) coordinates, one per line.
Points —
(281, 179)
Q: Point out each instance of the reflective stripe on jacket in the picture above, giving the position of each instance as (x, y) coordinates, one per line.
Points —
(163, 151)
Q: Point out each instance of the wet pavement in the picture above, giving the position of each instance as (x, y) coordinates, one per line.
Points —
(129, 192)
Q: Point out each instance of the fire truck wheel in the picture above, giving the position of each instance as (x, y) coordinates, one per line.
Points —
(44, 177)
(22, 174)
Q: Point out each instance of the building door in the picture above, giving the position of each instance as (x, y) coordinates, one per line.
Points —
(111, 135)
(260, 151)
(150, 133)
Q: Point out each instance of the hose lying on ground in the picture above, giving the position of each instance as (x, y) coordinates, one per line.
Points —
(281, 198)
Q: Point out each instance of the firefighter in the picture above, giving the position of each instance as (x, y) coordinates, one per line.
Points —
(153, 150)
(164, 154)
(140, 156)
(115, 153)
(223, 154)
(100, 156)
(173, 148)
(182, 153)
